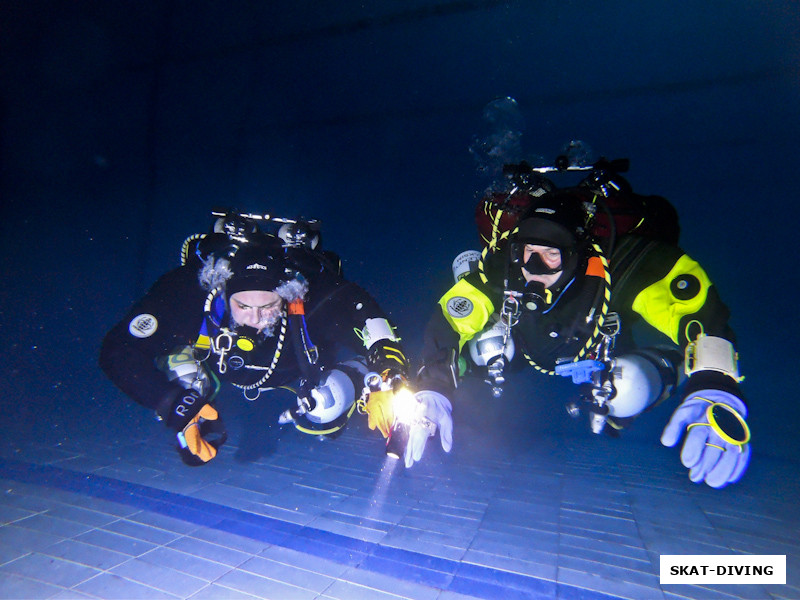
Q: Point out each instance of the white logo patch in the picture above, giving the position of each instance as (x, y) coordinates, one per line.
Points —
(143, 325)
(459, 307)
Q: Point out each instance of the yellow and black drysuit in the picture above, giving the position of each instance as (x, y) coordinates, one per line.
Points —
(644, 281)
(581, 325)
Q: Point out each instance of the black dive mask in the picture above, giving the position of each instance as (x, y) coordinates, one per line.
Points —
(536, 266)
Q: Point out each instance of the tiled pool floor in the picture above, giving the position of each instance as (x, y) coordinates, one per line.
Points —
(583, 517)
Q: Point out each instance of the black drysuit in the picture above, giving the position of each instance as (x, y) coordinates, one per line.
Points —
(174, 314)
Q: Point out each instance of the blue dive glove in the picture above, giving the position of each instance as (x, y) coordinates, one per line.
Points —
(716, 448)
(433, 411)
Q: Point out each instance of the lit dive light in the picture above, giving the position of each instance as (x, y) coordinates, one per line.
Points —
(397, 441)
(404, 405)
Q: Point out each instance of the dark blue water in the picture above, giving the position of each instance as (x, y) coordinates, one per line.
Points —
(124, 124)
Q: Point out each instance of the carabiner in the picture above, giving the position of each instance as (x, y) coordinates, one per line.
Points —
(221, 350)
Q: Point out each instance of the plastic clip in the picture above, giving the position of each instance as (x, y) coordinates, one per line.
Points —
(581, 371)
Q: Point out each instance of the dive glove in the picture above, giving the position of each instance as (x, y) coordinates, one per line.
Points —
(199, 441)
(433, 412)
(378, 399)
(200, 430)
(380, 413)
(716, 448)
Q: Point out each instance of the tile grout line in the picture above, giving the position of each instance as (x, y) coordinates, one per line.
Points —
(159, 501)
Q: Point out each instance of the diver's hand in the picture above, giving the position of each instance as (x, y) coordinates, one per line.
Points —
(378, 398)
(199, 441)
(434, 412)
(181, 406)
(716, 448)
(380, 411)
(200, 431)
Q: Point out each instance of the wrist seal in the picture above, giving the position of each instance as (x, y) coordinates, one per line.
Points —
(179, 407)
(711, 353)
(376, 330)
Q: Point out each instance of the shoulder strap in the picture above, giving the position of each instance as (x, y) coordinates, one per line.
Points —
(305, 351)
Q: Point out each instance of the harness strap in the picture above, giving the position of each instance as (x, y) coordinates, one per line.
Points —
(268, 371)
(305, 351)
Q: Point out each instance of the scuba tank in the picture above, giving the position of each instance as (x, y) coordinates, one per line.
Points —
(493, 347)
(612, 205)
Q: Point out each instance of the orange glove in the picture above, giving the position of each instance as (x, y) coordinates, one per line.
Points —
(195, 449)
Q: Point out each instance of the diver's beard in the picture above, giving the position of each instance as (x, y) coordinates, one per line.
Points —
(265, 327)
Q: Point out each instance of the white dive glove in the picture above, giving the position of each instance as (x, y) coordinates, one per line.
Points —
(434, 410)
(716, 448)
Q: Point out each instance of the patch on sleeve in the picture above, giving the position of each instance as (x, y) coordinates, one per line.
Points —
(142, 326)
(459, 307)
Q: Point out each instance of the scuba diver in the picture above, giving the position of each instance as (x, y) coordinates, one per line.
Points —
(262, 311)
(564, 275)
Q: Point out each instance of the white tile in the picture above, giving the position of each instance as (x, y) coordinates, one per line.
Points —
(639, 573)
(164, 522)
(546, 568)
(147, 533)
(344, 590)
(503, 549)
(580, 546)
(113, 587)
(116, 542)
(212, 551)
(435, 544)
(606, 585)
(15, 587)
(81, 514)
(208, 570)
(389, 585)
(54, 571)
(86, 554)
(26, 540)
(296, 575)
(226, 540)
(10, 514)
(46, 523)
(314, 564)
(218, 592)
(352, 530)
(294, 514)
(263, 587)
(159, 577)
(596, 524)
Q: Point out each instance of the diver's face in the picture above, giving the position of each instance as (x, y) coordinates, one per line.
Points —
(256, 309)
(551, 257)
